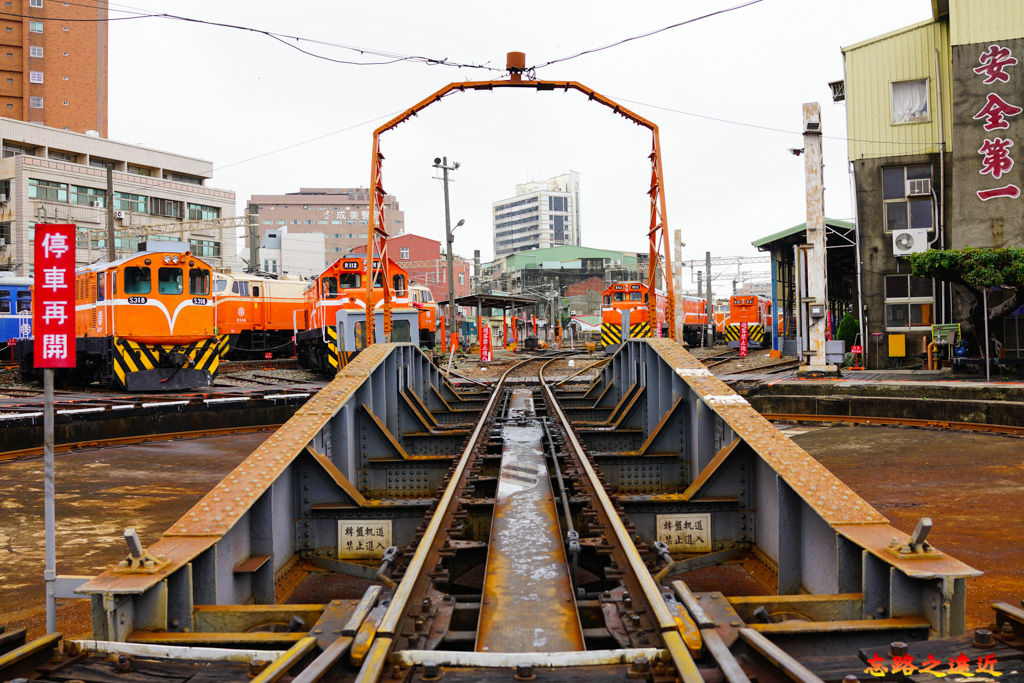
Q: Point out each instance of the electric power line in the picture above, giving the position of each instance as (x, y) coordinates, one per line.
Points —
(644, 35)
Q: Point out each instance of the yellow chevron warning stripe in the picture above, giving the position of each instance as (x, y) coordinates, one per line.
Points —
(640, 330)
(755, 333)
(332, 348)
(611, 334)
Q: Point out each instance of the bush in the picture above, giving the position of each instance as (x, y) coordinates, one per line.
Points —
(848, 329)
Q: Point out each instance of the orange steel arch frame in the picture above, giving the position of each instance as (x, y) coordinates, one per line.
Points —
(376, 241)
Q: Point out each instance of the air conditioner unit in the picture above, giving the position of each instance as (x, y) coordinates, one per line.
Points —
(97, 204)
(119, 215)
(909, 242)
(919, 186)
(3, 198)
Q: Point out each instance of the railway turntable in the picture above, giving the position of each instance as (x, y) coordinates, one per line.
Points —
(647, 526)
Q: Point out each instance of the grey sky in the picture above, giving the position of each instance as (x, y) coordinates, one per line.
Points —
(227, 96)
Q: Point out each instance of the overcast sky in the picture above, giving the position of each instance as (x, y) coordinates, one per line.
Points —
(229, 96)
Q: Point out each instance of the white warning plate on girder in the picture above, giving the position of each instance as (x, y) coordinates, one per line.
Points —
(689, 533)
(363, 537)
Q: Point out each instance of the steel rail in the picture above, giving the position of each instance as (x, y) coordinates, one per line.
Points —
(667, 624)
(376, 658)
(1009, 430)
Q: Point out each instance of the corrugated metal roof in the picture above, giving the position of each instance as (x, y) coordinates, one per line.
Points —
(534, 257)
(829, 222)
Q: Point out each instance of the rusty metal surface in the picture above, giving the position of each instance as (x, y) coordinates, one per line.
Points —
(527, 603)
(223, 506)
(825, 493)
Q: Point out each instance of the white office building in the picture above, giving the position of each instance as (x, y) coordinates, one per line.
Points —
(540, 215)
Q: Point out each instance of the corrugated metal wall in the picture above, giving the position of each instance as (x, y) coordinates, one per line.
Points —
(871, 68)
(978, 21)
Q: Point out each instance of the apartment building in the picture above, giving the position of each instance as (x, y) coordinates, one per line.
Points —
(541, 214)
(53, 64)
(49, 175)
(341, 214)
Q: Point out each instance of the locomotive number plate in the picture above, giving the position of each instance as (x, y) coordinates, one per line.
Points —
(137, 299)
(199, 300)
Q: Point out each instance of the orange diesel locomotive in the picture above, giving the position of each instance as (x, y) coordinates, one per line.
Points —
(144, 323)
(422, 300)
(754, 310)
(624, 306)
(258, 314)
(335, 313)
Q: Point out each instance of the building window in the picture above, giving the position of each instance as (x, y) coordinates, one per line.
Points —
(165, 207)
(35, 51)
(65, 78)
(182, 178)
(35, 3)
(35, 102)
(139, 170)
(403, 253)
(47, 190)
(909, 302)
(199, 212)
(906, 195)
(87, 196)
(910, 101)
(35, 26)
(64, 28)
(67, 54)
(204, 248)
(63, 156)
(35, 76)
(462, 278)
(126, 201)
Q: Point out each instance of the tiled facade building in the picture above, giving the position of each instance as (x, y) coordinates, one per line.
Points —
(341, 214)
(53, 64)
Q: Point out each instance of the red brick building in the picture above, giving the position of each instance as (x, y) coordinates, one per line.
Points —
(422, 259)
(53, 64)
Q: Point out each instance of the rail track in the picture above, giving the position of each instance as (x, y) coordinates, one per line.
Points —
(520, 531)
(523, 475)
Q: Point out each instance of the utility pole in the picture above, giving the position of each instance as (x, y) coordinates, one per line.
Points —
(254, 238)
(700, 288)
(111, 251)
(709, 303)
(677, 268)
(817, 279)
(449, 315)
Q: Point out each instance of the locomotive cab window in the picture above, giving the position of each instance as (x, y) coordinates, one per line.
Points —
(240, 288)
(378, 278)
(198, 281)
(607, 300)
(400, 331)
(635, 296)
(255, 290)
(169, 281)
(330, 287)
(5, 301)
(619, 296)
(220, 286)
(23, 303)
(349, 280)
(399, 282)
(99, 286)
(137, 280)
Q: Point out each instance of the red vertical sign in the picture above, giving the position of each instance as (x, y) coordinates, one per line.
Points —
(485, 343)
(743, 340)
(53, 296)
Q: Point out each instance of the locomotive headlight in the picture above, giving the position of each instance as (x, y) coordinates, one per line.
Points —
(167, 259)
(175, 259)
(147, 261)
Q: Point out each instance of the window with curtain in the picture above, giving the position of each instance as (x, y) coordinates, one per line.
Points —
(910, 101)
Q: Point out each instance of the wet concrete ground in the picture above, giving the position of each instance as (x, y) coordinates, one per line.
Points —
(971, 485)
(99, 492)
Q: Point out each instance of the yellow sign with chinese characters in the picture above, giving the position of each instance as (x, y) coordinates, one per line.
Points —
(360, 538)
(689, 533)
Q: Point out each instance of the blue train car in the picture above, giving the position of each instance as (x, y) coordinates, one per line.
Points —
(15, 308)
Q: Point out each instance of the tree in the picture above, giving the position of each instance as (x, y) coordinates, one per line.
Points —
(848, 329)
(976, 269)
